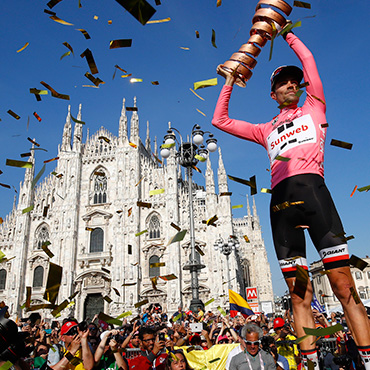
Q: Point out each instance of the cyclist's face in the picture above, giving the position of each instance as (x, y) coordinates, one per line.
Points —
(285, 91)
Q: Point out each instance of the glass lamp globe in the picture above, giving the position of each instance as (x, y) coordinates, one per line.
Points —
(169, 140)
(165, 153)
(198, 139)
(211, 146)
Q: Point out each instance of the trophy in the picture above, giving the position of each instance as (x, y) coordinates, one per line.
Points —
(269, 13)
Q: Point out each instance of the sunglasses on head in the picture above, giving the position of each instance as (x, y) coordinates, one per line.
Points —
(250, 343)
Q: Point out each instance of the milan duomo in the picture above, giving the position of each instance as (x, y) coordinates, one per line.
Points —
(87, 209)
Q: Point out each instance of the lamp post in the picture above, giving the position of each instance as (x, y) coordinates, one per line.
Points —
(188, 154)
(226, 248)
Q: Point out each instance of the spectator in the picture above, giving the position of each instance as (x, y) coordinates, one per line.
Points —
(76, 351)
(269, 345)
(177, 361)
(252, 358)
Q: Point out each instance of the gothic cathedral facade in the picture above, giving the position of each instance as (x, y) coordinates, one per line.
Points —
(87, 209)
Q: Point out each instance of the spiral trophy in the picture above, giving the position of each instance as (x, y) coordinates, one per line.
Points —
(242, 62)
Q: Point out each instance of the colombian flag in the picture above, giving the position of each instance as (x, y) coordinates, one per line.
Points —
(238, 304)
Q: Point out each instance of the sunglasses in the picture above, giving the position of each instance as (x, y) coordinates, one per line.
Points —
(72, 331)
(255, 343)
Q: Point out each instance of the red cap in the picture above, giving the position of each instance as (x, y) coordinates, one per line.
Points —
(68, 325)
(278, 323)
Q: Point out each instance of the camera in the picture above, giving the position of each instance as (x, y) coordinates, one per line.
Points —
(161, 336)
(12, 343)
(82, 326)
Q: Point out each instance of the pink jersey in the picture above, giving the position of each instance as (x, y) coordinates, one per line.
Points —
(296, 133)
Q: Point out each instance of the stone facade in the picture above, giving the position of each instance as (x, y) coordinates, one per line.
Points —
(87, 209)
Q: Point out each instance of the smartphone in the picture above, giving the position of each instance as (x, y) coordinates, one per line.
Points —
(161, 336)
(254, 317)
(82, 326)
(196, 327)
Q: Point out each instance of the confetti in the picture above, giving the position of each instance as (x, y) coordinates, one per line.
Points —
(15, 115)
(51, 160)
(251, 182)
(302, 227)
(159, 21)
(5, 185)
(157, 159)
(226, 193)
(157, 264)
(96, 17)
(45, 212)
(129, 284)
(156, 192)
(178, 228)
(358, 262)
(28, 209)
(141, 303)
(49, 12)
(237, 206)
(168, 145)
(201, 112)
(176, 317)
(355, 295)
(108, 319)
(37, 116)
(132, 144)
(324, 125)
(144, 204)
(221, 310)
(68, 47)
(125, 314)
(61, 21)
(219, 2)
(133, 80)
(53, 283)
(54, 93)
(168, 277)
(353, 191)
(129, 212)
(89, 228)
(285, 205)
(200, 158)
(197, 34)
(141, 232)
(320, 100)
(122, 43)
(322, 332)
(178, 237)
(199, 250)
(213, 39)
(76, 120)
(341, 144)
(108, 299)
(131, 109)
(289, 27)
(38, 176)
(45, 248)
(52, 3)
(157, 2)
(196, 93)
(212, 220)
(265, 190)
(301, 4)
(246, 238)
(209, 302)
(214, 360)
(23, 47)
(156, 83)
(84, 32)
(140, 9)
(300, 282)
(60, 308)
(364, 188)
(205, 83)
(20, 164)
(281, 158)
(90, 60)
(95, 80)
(65, 54)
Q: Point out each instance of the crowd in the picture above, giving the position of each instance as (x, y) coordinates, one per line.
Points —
(154, 341)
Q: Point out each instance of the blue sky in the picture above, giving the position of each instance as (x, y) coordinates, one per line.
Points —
(338, 37)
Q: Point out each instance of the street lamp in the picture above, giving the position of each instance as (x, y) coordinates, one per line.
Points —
(226, 248)
(188, 154)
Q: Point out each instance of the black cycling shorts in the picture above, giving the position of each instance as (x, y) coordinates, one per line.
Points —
(317, 214)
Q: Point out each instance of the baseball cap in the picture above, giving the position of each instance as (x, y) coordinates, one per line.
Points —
(66, 326)
(283, 71)
(278, 323)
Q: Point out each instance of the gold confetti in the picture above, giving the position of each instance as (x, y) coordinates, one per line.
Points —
(47, 250)
(144, 204)
(196, 94)
(157, 264)
(178, 228)
(108, 299)
(54, 93)
(364, 188)
(178, 237)
(121, 43)
(300, 282)
(324, 125)
(108, 319)
(237, 206)
(141, 232)
(321, 101)
(156, 192)
(358, 262)
(156, 83)
(141, 10)
(132, 144)
(90, 60)
(125, 314)
(200, 158)
(353, 191)
(285, 205)
(96, 17)
(84, 32)
(201, 112)
(213, 38)
(37, 116)
(68, 47)
(219, 2)
(226, 193)
(65, 54)
(281, 158)
(199, 250)
(341, 144)
(246, 238)
(20, 164)
(197, 34)
(168, 277)
(28, 209)
(302, 4)
(209, 302)
(15, 115)
(184, 48)
(109, 22)
(129, 212)
(251, 182)
(23, 47)
(61, 21)
(221, 310)
(265, 190)
(51, 160)
(205, 83)
(141, 303)
(159, 21)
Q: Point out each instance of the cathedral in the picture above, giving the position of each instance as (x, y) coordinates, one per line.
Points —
(110, 237)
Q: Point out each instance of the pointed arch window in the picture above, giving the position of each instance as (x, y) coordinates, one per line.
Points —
(154, 271)
(2, 279)
(97, 240)
(42, 236)
(154, 228)
(100, 187)
(38, 277)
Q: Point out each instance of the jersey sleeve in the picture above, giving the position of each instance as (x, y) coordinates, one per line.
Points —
(310, 73)
(241, 129)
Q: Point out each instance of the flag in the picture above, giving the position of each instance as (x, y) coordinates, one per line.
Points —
(238, 304)
(316, 305)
